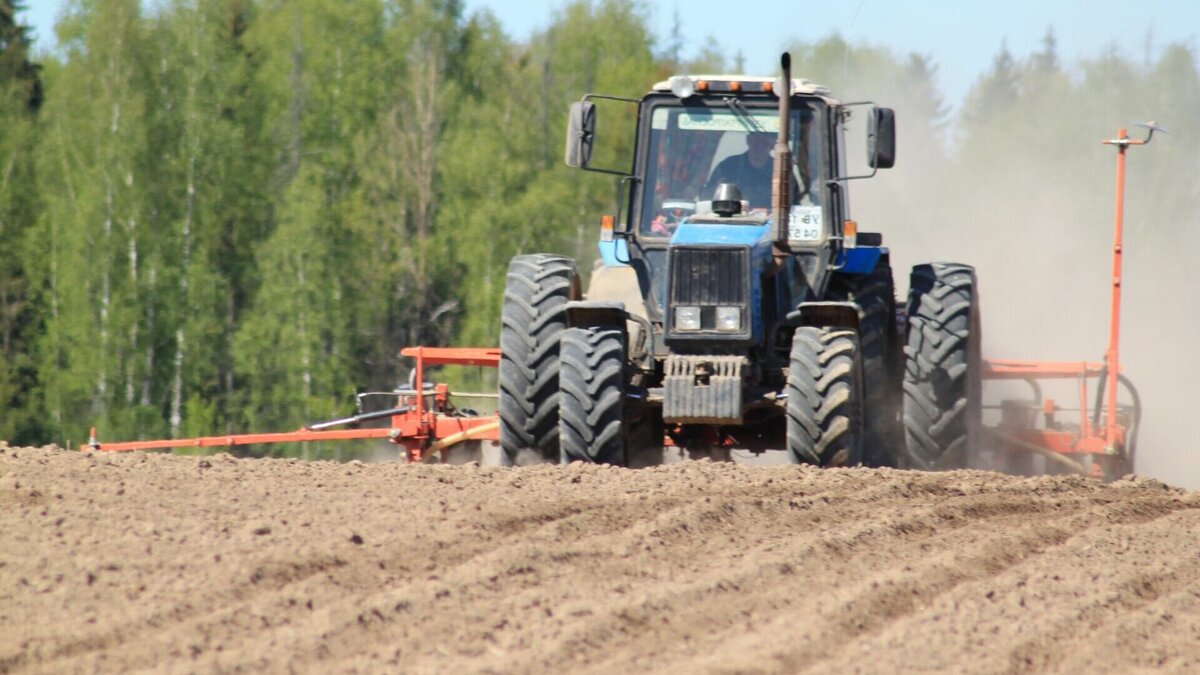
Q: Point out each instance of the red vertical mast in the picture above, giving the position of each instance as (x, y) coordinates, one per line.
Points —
(1111, 357)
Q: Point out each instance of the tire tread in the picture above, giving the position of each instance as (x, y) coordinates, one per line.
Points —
(537, 288)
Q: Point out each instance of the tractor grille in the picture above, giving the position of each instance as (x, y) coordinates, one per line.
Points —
(709, 276)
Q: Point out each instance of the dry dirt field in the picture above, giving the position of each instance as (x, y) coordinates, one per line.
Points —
(145, 562)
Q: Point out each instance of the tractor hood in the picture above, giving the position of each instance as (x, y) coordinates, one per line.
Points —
(714, 232)
(717, 265)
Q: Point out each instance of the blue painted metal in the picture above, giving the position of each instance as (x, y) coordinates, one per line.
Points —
(717, 235)
(859, 260)
(615, 253)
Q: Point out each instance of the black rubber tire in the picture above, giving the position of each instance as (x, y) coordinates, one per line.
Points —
(591, 402)
(824, 397)
(534, 316)
(943, 365)
(882, 358)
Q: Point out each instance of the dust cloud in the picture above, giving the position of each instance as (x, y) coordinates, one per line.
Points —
(1030, 203)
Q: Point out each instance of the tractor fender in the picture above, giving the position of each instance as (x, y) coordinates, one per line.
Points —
(824, 314)
(621, 285)
(596, 313)
(612, 314)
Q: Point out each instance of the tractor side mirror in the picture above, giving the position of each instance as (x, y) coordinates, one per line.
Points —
(581, 134)
(881, 139)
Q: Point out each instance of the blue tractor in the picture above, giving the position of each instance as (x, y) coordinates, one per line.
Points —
(736, 311)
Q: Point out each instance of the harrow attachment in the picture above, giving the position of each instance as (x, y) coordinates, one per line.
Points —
(424, 421)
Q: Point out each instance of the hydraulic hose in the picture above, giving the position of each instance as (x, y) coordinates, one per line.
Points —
(1132, 432)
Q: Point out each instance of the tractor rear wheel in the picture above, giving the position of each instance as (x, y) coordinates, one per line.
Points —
(882, 358)
(536, 291)
(942, 413)
(824, 397)
(591, 399)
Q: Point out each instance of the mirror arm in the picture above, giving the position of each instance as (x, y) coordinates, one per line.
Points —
(874, 169)
(832, 181)
(611, 172)
(588, 97)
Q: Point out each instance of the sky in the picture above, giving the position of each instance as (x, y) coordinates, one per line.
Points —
(962, 36)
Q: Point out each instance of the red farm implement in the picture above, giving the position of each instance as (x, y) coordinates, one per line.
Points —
(1100, 440)
(424, 420)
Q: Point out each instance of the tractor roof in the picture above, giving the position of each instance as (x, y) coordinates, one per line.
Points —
(747, 82)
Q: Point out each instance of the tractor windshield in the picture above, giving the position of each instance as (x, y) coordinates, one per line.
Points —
(693, 149)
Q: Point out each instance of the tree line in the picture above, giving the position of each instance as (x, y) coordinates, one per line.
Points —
(228, 215)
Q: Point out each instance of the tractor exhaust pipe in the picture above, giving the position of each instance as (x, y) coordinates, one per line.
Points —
(781, 199)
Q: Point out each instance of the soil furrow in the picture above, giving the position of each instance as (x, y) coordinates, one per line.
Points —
(163, 563)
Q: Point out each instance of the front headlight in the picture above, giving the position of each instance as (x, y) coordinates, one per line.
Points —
(687, 318)
(729, 319)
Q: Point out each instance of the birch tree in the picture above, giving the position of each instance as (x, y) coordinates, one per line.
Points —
(204, 130)
(100, 281)
(294, 351)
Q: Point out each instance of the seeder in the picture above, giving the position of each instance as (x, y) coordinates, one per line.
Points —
(1099, 441)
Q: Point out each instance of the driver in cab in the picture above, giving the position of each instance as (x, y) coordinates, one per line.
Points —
(750, 171)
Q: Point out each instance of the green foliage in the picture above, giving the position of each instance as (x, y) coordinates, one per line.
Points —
(20, 99)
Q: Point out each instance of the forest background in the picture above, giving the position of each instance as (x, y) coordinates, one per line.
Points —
(230, 215)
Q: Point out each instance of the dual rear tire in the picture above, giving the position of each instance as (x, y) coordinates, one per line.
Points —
(561, 389)
(839, 382)
(942, 368)
(537, 289)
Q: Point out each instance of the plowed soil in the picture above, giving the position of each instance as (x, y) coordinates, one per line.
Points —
(120, 562)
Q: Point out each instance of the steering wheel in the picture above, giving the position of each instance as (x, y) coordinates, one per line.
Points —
(670, 214)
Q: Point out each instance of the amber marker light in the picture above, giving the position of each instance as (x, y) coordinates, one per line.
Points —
(850, 233)
(607, 224)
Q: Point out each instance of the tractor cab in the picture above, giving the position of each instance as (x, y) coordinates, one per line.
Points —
(725, 134)
(689, 147)
(721, 273)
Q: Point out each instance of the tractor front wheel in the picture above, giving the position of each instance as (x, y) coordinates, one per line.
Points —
(882, 357)
(591, 385)
(824, 397)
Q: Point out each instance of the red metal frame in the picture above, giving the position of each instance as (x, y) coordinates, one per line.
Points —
(426, 427)
(1109, 438)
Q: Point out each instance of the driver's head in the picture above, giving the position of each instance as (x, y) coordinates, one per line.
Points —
(759, 143)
